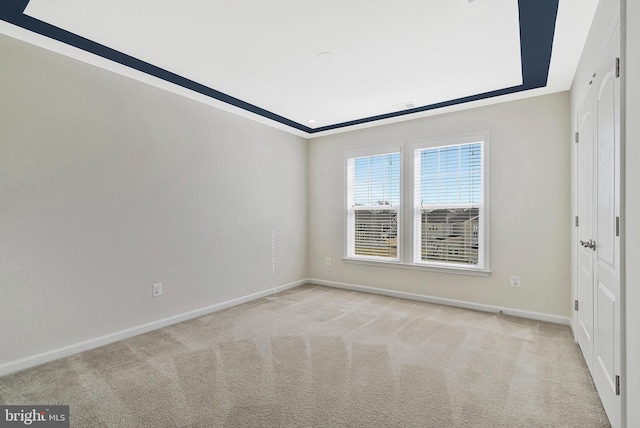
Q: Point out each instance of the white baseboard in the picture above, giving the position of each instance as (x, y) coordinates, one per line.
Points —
(449, 302)
(45, 357)
(574, 328)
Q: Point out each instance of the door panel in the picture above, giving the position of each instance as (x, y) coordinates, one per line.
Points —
(606, 171)
(598, 205)
(606, 343)
(585, 319)
(606, 268)
(585, 183)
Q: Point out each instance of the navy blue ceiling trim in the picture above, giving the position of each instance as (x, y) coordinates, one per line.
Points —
(537, 28)
(12, 7)
(12, 11)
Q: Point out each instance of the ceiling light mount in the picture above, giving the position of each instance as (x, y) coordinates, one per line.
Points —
(404, 106)
(325, 56)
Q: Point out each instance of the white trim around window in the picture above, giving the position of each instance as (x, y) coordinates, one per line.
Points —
(373, 204)
(451, 202)
(379, 236)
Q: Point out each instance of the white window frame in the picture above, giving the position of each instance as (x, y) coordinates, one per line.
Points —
(349, 224)
(484, 234)
(406, 211)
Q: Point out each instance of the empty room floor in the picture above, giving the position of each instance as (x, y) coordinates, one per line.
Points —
(315, 356)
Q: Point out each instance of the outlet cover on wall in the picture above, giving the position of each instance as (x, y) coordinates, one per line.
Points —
(515, 281)
(156, 290)
(327, 261)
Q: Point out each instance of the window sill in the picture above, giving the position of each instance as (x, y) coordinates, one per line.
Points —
(411, 266)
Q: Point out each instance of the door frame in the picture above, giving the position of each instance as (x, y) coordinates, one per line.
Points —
(616, 25)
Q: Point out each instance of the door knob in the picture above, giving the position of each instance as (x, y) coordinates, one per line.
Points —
(589, 244)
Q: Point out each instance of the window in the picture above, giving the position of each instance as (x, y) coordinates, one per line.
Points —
(449, 205)
(373, 202)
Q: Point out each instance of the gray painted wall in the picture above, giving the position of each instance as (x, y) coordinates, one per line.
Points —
(108, 185)
(530, 205)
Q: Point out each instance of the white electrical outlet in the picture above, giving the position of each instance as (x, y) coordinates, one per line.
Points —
(156, 290)
(327, 261)
(515, 281)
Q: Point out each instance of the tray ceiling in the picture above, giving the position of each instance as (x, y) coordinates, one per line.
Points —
(317, 66)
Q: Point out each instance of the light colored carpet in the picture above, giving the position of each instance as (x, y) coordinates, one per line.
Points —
(321, 357)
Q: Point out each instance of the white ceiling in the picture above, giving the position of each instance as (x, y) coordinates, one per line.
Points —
(383, 55)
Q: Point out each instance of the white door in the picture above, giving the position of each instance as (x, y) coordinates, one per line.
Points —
(585, 256)
(606, 369)
(598, 255)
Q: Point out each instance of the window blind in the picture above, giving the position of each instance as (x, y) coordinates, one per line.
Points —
(373, 200)
(448, 204)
